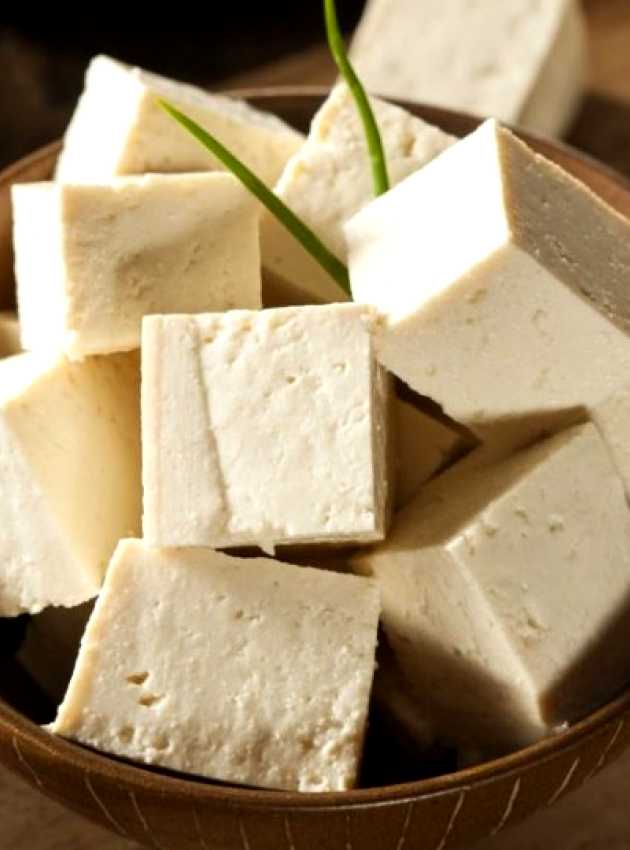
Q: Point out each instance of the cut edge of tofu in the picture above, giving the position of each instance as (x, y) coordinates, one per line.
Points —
(74, 584)
(469, 492)
(381, 443)
(566, 40)
(48, 204)
(72, 712)
(28, 381)
(37, 218)
(321, 146)
(451, 169)
(503, 203)
(562, 78)
(133, 85)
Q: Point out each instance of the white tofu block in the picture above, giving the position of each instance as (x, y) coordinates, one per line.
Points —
(243, 670)
(91, 261)
(9, 334)
(328, 180)
(422, 446)
(504, 284)
(119, 127)
(51, 645)
(522, 61)
(69, 476)
(506, 600)
(263, 428)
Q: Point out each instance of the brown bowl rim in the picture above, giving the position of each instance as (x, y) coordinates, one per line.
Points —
(21, 730)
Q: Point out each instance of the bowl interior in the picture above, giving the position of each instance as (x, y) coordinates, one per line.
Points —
(392, 769)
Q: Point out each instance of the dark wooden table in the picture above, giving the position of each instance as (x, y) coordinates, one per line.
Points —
(598, 816)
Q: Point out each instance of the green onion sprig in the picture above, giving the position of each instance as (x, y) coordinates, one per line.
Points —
(380, 177)
(305, 236)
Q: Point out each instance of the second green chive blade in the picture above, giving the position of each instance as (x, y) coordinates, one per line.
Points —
(305, 236)
(380, 177)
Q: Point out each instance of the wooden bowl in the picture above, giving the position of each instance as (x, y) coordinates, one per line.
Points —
(161, 810)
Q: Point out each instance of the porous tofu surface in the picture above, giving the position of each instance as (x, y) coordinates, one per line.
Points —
(507, 293)
(119, 128)
(69, 475)
(264, 428)
(328, 180)
(505, 596)
(523, 62)
(92, 260)
(243, 670)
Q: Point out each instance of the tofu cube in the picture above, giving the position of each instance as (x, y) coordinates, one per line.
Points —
(9, 334)
(263, 428)
(422, 446)
(327, 181)
(503, 282)
(522, 61)
(506, 598)
(243, 670)
(91, 261)
(119, 128)
(69, 476)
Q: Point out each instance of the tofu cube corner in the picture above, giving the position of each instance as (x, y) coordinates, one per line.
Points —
(264, 428)
(92, 260)
(510, 587)
(119, 128)
(503, 282)
(524, 62)
(70, 475)
(243, 670)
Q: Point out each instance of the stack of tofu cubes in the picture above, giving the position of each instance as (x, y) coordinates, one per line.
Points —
(486, 280)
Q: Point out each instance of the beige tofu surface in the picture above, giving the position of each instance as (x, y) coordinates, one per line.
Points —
(508, 298)
(119, 128)
(506, 593)
(92, 260)
(264, 428)
(242, 670)
(521, 61)
(327, 181)
(69, 475)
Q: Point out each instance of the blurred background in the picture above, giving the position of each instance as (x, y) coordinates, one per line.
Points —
(278, 42)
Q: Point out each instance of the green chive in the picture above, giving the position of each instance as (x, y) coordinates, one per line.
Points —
(305, 236)
(380, 178)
